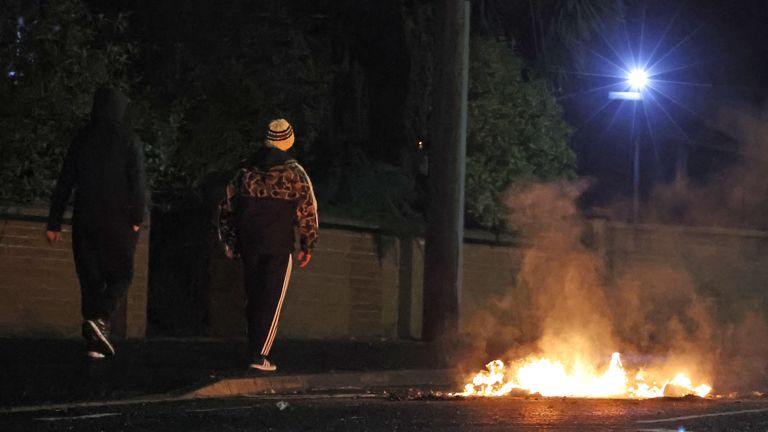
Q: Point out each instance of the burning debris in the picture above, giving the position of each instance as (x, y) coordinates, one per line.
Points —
(553, 378)
(571, 303)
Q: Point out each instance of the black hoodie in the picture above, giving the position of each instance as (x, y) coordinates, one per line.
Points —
(105, 167)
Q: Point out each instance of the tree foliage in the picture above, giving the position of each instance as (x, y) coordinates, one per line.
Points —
(516, 133)
(552, 34)
(206, 109)
(571, 25)
(205, 85)
(53, 57)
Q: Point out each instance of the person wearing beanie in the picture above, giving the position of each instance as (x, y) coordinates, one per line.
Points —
(268, 198)
(104, 166)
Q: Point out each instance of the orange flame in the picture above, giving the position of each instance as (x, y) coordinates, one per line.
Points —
(552, 378)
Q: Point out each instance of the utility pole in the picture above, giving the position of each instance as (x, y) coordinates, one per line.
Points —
(635, 176)
(444, 234)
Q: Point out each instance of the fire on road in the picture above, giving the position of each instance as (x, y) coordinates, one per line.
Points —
(576, 378)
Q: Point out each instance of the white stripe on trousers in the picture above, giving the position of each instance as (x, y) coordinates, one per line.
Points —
(273, 329)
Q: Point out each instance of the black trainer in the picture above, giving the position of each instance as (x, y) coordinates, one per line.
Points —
(263, 364)
(96, 332)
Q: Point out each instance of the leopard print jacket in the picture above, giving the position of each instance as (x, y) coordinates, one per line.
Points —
(289, 182)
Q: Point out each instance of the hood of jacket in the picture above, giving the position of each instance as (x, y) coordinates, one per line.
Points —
(109, 104)
(266, 158)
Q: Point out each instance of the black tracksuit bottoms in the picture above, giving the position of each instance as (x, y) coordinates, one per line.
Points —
(266, 281)
(103, 255)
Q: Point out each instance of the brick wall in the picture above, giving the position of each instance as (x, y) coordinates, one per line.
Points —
(348, 290)
(362, 285)
(38, 284)
(359, 286)
(489, 270)
(728, 265)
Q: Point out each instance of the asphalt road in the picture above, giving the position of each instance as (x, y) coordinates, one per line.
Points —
(399, 412)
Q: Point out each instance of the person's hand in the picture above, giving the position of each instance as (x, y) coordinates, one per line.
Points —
(135, 228)
(304, 258)
(229, 252)
(52, 236)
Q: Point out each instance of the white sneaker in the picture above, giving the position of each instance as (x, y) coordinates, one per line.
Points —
(263, 364)
(95, 355)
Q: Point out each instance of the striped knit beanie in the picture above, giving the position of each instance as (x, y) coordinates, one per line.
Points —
(280, 134)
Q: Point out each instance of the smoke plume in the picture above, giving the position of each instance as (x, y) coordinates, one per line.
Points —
(587, 288)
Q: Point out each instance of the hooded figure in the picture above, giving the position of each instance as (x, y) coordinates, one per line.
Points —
(105, 167)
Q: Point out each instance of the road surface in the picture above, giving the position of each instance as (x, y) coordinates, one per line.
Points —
(393, 411)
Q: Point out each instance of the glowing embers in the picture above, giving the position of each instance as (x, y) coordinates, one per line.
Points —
(678, 386)
(577, 379)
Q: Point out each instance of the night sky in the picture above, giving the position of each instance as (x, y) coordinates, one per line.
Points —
(705, 55)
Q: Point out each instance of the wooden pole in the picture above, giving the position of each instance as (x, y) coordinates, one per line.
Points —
(447, 160)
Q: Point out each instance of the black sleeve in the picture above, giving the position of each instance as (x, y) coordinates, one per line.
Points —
(63, 190)
(136, 181)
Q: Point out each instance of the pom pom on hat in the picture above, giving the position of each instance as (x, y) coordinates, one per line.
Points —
(280, 134)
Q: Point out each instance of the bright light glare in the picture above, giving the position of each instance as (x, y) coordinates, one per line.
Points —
(625, 95)
(637, 79)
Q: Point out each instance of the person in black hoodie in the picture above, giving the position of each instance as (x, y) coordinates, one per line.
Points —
(269, 197)
(105, 167)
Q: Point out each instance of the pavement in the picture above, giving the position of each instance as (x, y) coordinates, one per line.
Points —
(36, 372)
(204, 384)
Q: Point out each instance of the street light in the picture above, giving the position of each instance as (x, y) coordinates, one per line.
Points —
(637, 80)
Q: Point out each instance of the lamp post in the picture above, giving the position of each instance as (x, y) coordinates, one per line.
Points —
(637, 80)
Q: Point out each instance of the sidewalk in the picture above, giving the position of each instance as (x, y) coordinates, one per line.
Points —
(35, 371)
